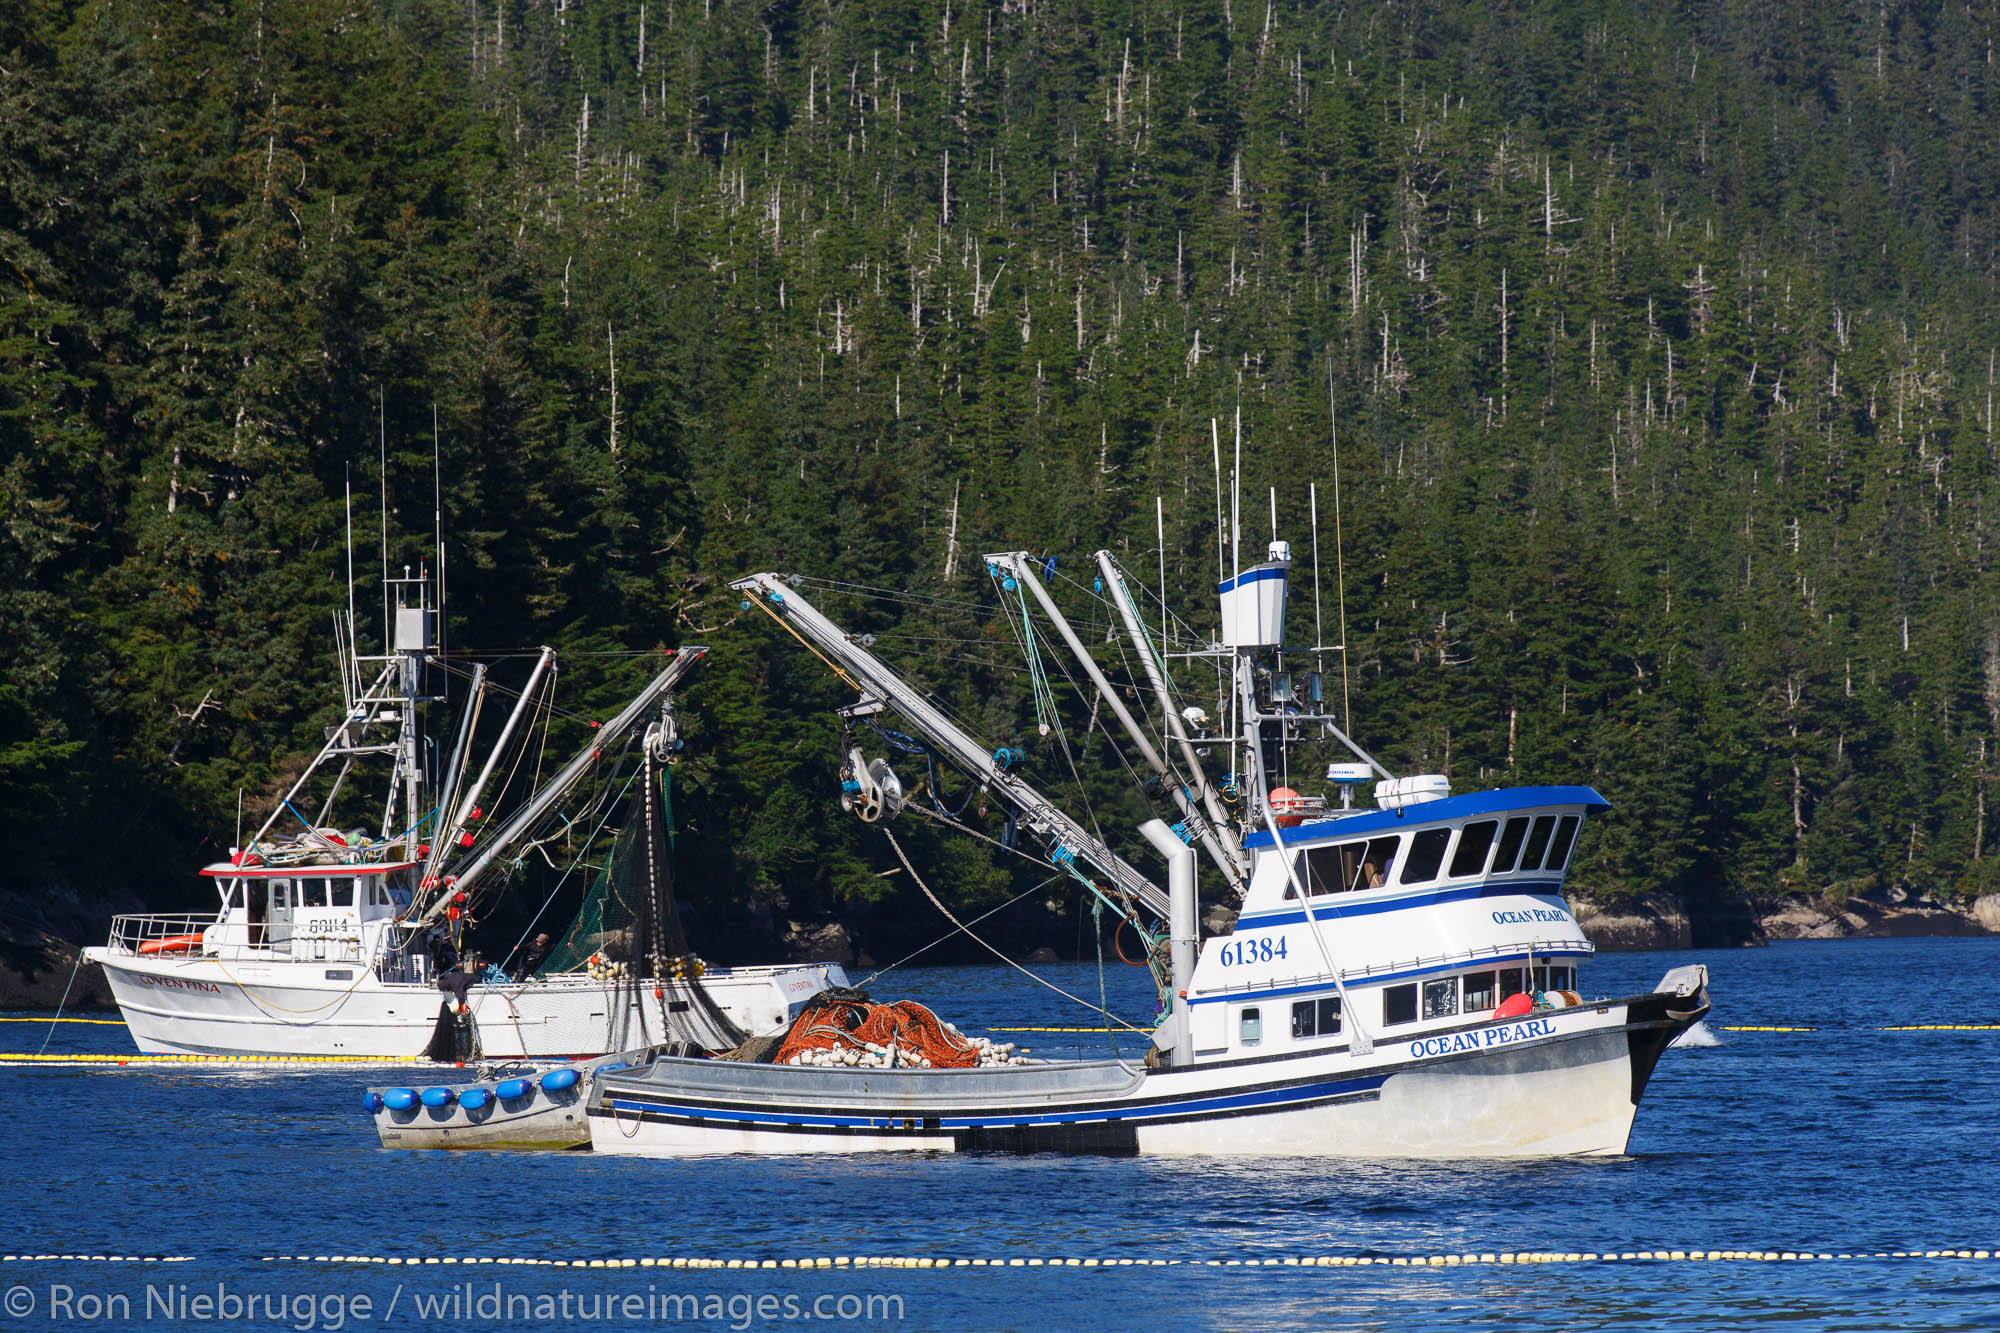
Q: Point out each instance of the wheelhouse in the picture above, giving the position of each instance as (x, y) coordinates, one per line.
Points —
(1487, 869)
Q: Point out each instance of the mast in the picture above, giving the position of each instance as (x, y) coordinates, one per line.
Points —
(1253, 621)
(558, 787)
(1225, 854)
(451, 822)
(1222, 844)
(415, 636)
(1067, 839)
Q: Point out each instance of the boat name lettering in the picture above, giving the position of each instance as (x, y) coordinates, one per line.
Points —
(180, 983)
(1262, 950)
(1530, 916)
(1474, 1041)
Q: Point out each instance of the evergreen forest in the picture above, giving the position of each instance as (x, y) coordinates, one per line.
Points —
(1648, 351)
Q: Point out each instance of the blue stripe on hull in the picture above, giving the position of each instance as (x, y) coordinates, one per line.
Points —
(1186, 1108)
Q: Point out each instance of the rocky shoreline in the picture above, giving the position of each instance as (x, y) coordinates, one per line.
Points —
(1666, 923)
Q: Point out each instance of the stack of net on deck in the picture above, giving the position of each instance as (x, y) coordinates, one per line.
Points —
(903, 1033)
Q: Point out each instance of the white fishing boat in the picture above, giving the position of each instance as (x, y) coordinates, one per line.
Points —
(1401, 980)
(334, 941)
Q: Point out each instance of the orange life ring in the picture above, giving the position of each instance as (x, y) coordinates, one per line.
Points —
(172, 944)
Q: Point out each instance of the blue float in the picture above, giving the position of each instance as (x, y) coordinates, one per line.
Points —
(513, 1088)
(400, 1099)
(558, 1079)
(474, 1098)
(372, 1102)
(436, 1097)
(610, 1068)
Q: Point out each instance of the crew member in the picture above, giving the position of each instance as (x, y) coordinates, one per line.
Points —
(459, 979)
(530, 956)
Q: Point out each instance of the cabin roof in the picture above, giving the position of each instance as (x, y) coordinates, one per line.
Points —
(1446, 809)
(227, 870)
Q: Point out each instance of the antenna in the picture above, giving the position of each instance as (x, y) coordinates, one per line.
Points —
(1236, 500)
(354, 649)
(1319, 635)
(1274, 513)
(382, 445)
(1160, 532)
(1236, 718)
(1221, 574)
(1215, 444)
(1339, 555)
(437, 522)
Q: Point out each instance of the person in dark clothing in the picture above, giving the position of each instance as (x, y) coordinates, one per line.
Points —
(457, 980)
(530, 956)
(444, 954)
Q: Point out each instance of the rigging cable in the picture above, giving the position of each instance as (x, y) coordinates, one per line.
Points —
(1039, 981)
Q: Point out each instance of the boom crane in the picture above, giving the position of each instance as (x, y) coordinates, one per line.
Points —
(1066, 839)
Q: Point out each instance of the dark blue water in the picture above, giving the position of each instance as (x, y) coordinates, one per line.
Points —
(1846, 1140)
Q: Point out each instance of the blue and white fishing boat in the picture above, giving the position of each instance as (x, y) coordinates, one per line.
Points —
(1401, 980)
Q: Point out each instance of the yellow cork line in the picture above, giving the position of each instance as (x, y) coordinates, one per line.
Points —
(1903, 1027)
(1098, 1028)
(1945, 1027)
(1290, 1261)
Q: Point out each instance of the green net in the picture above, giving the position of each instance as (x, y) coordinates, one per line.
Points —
(606, 925)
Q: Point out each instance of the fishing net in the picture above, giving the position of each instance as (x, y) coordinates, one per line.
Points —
(629, 926)
(849, 1022)
(603, 926)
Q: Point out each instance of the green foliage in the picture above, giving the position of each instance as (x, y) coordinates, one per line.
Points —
(1659, 344)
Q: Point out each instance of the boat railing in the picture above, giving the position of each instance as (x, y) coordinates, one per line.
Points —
(129, 932)
(203, 936)
(397, 965)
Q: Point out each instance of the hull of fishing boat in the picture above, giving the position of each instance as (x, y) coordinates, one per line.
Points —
(1562, 1083)
(195, 1005)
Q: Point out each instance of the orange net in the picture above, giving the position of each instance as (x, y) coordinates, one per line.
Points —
(905, 1026)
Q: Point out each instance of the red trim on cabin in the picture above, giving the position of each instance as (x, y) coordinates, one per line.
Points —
(223, 870)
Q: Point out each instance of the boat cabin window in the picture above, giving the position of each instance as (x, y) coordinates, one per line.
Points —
(1441, 998)
(1512, 982)
(1399, 1004)
(1538, 842)
(1249, 1027)
(1510, 845)
(1565, 838)
(1349, 866)
(312, 893)
(1474, 841)
(1479, 992)
(340, 893)
(1555, 978)
(1316, 1018)
(1426, 855)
